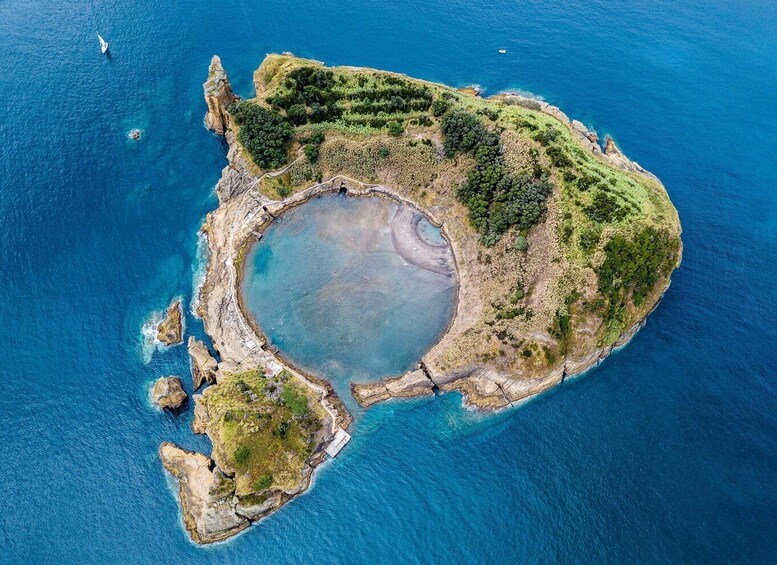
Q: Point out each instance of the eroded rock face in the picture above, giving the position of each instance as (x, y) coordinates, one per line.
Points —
(204, 366)
(218, 96)
(168, 393)
(170, 331)
(411, 384)
(201, 415)
(207, 495)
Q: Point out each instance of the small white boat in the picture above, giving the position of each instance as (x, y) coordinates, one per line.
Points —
(502, 51)
(103, 44)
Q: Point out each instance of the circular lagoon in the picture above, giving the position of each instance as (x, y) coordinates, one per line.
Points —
(351, 288)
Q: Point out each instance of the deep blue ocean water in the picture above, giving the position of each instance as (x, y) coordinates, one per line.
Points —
(327, 287)
(666, 453)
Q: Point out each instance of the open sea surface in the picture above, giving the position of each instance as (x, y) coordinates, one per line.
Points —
(666, 453)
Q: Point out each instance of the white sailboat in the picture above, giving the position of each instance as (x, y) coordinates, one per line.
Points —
(502, 51)
(103, 44)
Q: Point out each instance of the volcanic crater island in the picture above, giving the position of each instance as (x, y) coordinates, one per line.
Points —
(558, 249)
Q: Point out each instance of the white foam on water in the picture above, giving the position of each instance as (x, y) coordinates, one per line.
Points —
(199, 269)
(148, 333)
(149, 341)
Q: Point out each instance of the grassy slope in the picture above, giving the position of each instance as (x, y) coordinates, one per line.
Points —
(253, 420)
(525, 294)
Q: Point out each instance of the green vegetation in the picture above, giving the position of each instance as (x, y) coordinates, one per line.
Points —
(632, 267)
(522, 176)
(295, 401)
(242, 454)
(396, 128)
(605, 209)
(439, 107)
(263, 482)
(262, 428)
(312, 146)
(264, 133)
(317, 95)
(497, 199)
(521, 243)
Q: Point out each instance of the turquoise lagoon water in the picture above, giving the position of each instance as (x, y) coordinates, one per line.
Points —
(328, 288)
(665, 453)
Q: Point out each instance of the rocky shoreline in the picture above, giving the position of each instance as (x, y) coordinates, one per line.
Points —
(211, 509)
(483, 387)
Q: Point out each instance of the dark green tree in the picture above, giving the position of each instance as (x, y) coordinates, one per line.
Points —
(263, 132)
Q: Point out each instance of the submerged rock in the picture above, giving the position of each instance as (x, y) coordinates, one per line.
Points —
(170, 331)
(207, 495)
(204, 366)
(168, 393)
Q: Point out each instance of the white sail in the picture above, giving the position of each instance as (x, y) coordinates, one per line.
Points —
(103, 43)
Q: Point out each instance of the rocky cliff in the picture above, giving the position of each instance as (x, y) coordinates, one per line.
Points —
(208, 501)
(218, 97)
(168, 393)
(204, 366)
(170, 330)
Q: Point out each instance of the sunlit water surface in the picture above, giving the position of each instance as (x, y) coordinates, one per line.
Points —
(666, 453)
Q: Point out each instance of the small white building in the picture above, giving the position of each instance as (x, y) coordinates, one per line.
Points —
(341, 438)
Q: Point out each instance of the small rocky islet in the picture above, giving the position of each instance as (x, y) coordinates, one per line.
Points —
(170, 329)
(561, 250)
(168, 393)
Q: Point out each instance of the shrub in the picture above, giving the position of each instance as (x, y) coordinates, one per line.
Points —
(548, 135)
(605, 209)
(557, 157)
(463, 132)
(491, 114)
(586, 181)
(281, 430)
(295, 401)
(497, 199)
(264, 133)
(315, 138)
(560, 328)
(263, 482)
(396, 128)
(521, 243)
(588, 240)
(439, 107)
(242, 454)
(297, 114)
(517, 295)
(312, 152)
(633, 266)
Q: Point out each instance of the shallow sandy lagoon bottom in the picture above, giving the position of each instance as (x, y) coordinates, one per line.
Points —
(351, 288)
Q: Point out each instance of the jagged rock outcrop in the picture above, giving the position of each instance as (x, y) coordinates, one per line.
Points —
(170, 330)
(218, 96)
(201, 416)
(208, 501)
(168, 393)
(409, 385)
(204, 366)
